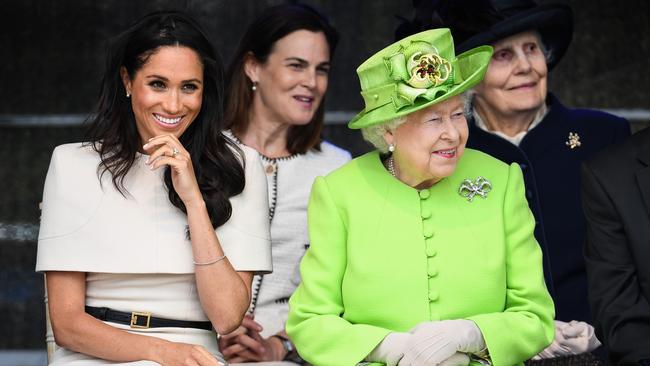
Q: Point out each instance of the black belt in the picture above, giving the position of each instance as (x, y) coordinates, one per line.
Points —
(137, 319)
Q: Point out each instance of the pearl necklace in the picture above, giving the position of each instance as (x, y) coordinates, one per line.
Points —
(391, 166)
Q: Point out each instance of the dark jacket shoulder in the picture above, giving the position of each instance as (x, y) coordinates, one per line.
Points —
(633, 150)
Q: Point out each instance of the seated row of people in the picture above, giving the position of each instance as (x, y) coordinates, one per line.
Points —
(457, 240)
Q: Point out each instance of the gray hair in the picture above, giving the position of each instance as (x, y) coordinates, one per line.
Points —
(375, 134)
(547, 52)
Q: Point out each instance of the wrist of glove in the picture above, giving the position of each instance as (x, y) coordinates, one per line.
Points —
(457, 359)
(390, 350)
(571, 338)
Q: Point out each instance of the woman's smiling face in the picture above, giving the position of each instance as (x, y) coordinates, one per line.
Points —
(515, 80)
(167, 92)
(430, 143)
(291, 83)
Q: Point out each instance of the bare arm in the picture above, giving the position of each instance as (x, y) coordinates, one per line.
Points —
(224, 292)
(80, 332)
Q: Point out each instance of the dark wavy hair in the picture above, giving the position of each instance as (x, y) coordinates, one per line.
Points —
(273, 24)
(112, 132)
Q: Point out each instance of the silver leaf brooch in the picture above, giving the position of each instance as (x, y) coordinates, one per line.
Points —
(480, 186)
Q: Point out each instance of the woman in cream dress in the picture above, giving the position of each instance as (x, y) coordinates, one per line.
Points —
(136, 273)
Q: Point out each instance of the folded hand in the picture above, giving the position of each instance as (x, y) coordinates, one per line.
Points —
(571, 338)
(434, 342)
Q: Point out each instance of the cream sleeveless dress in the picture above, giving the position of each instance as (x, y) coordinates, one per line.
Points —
(134, 248)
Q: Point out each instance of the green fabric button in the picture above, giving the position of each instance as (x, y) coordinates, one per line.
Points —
(432, 271)
(427, 232)
(433, 296)
(426, 213)
(424, 194)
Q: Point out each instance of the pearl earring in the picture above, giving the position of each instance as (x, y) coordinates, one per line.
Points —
(391, 147)
(254, 87)
(128, 94)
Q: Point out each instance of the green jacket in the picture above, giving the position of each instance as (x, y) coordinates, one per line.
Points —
(385, 257)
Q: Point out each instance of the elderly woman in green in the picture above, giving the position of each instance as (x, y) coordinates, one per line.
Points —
(422, 253)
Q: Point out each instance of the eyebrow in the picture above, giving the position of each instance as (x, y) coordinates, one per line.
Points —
(154, 76)
(510, 45)
(305, 62)
(507, 46)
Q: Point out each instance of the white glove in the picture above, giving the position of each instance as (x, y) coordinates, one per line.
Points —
(457, 359)
(570, 339)
(391, 349)
(580, 337)
(434, 342)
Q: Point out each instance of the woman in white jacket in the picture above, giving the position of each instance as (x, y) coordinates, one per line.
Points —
(136, 273)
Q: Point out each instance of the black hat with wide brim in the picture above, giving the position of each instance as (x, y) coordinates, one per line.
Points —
(483, 22)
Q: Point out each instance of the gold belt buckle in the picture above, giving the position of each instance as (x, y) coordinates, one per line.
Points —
(134, 319)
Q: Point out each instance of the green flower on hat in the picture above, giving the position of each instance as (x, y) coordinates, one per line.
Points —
(425, 66)
(420, 71)
(428, 69)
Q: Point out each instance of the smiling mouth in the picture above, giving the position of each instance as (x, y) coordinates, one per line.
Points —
(449, 153)
(303, 99)
(167, 121)
(523, 86)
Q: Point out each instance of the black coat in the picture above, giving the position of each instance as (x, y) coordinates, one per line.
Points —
(552, 177)
(616, 199)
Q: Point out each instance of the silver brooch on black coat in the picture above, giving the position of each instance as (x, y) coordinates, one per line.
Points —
(469, 189)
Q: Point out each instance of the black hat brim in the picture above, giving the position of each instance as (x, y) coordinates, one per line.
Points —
(554, 22)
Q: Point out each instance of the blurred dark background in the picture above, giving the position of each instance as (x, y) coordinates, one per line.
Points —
(52, 57)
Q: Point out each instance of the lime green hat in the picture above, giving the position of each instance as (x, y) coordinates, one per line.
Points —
(414, 73)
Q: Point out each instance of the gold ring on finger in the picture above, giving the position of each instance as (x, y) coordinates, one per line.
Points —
(174, 152)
